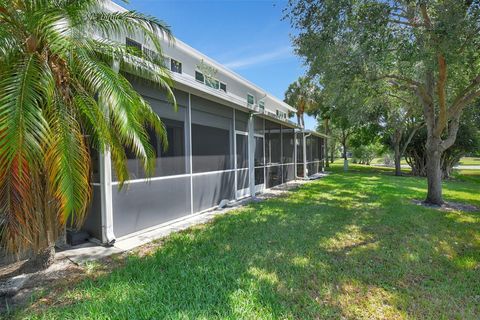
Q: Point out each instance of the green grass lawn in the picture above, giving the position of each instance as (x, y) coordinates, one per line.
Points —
(380, 160)
(351, 245)
(470, 161)
(465, 161)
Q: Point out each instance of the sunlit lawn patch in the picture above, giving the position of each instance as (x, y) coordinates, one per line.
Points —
(470, 161)
(350, 245)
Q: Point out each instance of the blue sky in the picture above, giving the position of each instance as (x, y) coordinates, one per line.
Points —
(247, 36)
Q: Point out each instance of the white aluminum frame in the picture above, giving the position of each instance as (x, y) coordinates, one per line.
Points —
(106, 184)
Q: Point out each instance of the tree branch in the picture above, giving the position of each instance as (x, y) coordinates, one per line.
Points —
(399, 98)
(410, 137)
(464, 97)
(400, 78)
(426, 94)
(405, 23)
(452, 133)
(442, 78)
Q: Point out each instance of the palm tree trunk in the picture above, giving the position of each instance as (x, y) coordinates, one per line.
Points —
(40, 260)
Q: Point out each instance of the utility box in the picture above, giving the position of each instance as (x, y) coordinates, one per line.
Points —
(77, 237)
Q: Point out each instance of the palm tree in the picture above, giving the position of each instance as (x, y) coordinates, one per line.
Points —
(302, 95)
(60, 96)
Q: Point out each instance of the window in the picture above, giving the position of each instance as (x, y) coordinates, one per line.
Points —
(175, 66)
(223, 86)
(133, 44)
(212, 83)
(261, 104)
(281, 114)
(250, 100)
(199, 77)
(210, 148)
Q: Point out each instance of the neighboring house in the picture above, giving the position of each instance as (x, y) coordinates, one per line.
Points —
(228, 140)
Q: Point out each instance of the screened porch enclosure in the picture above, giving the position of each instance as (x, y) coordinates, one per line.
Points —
(215, 153)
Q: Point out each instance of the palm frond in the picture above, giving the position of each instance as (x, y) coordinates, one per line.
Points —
(17, 215)
(57, 86)
(24, 88)
(117, 25)
(67, 163)
(123, 105)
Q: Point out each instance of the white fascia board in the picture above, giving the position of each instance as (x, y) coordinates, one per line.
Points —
(286, 123)
(197, 54)
(315, 133)
(180, 45)
(187, 83)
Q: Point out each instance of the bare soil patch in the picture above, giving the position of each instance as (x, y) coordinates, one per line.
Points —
(448, 206)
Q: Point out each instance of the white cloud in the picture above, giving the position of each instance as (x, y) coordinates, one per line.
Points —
(279, 53)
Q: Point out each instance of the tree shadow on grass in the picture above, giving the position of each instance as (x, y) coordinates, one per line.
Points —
(339, 247)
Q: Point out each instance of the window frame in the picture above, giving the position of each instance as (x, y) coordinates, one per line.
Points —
(215, 80)
(203, 76)
(261, 105)
(281, 114)
(253, 98)
(172, 61)
(212, 80)
(224, 85)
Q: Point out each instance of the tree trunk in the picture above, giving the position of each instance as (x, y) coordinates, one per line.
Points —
(398, 159)
(327, 163)
(300, 120)
(345, 160)
(332, 153)
(434, 173)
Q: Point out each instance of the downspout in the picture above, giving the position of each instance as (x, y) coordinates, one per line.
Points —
(108, 237)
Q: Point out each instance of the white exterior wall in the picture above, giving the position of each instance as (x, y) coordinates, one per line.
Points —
(237, 87)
